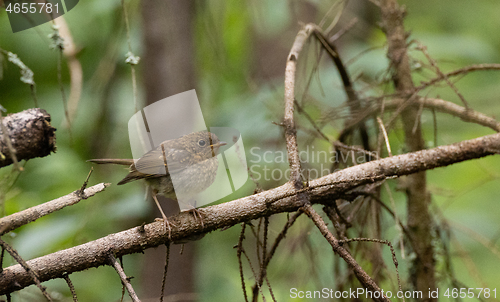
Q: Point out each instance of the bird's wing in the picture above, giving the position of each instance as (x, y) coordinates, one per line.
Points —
(161, 161)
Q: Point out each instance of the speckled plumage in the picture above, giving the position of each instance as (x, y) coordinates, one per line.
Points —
(190, 160)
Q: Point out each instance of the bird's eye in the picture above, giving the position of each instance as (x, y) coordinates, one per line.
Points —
(201, 143)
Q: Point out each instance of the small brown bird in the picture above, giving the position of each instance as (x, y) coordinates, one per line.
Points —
(190, 160)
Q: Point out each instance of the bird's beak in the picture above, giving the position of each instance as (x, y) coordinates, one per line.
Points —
(222, 143)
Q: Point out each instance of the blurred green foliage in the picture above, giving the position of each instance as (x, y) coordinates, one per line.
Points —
(230, 40)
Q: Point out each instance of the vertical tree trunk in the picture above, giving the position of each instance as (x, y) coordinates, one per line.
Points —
(419, 218)
(168, 69)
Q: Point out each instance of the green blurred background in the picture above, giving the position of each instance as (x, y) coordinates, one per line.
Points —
(240, 52)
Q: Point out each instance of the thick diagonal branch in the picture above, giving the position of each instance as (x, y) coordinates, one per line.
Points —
(280, 199)
(12, 222)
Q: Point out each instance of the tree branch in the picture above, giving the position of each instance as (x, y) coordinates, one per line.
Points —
(362, 276)
(278, 200)
(12, 222)
(290, 130)
(465, 114)
(124, 278)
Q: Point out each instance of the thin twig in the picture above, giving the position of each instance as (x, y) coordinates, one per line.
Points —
(435, 127)
(58, 44)
(399, 226)
(124, 278)
(352, 98)
(343, 30)
(70, 51)
(85, 183)
(466, 115)
(26, 267)
(240, 263)
(71, 287)
(384, 133)
(309, 118)
(423, 48)
(165, 270)
(131, 58)
(464, 70)
(353, 148)
(360, 274)
(255, 276)
(386, 242)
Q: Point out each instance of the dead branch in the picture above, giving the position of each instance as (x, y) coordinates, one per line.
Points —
(12, 222)
(290, 130)
(124, 278)
(465, 114)
(277, 200)
(461, 71)
(362, 276)
(14, 254)
(30, 133)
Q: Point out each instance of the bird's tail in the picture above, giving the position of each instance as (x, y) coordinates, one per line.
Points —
(116, 161)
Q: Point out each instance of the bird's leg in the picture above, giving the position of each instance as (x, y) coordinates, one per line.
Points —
(165, 220)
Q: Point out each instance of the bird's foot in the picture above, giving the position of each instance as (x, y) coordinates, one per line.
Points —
(197, 216)
(166, 226)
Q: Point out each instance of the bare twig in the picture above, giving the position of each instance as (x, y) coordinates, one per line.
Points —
(267, 256)
(290, 130)
(165, 270)
(466, 115)
(11, 222)
(441, 75)
(384, 133)
(461, 71)
(32, 274)
(352, 98)
(58, 45)
(353, 148)
(71, 287)
(360, 274)
(386, 242)
(313, 123)
(85, 183)
(343, 30)
(239, 252)
(75, 68)
(131, 58)
(124, 278)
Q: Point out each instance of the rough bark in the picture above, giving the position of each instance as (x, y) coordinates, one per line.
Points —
(30, 134)
(419, 219)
